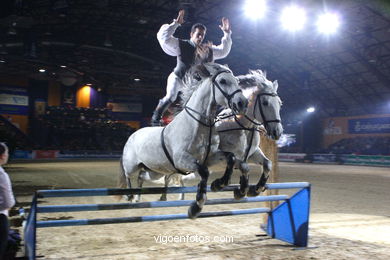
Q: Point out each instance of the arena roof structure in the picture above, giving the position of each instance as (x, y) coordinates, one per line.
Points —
(111, 43)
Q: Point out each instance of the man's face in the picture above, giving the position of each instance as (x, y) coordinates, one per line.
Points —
(4, 157)
(198, 36)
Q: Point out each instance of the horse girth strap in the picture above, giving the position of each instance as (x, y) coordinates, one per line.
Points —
(168, 155)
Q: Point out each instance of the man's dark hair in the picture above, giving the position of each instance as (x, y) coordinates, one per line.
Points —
(198, 25)
(3, 148)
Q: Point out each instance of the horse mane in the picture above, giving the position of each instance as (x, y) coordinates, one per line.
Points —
(191, 84)
(251, 82)
(197, 76)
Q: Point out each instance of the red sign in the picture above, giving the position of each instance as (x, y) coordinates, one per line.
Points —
(45, 154)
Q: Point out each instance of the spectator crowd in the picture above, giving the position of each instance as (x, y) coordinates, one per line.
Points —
(75, 129)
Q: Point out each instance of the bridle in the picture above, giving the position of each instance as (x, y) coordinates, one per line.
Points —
(256, 125)
(265, 120)
(210, 121)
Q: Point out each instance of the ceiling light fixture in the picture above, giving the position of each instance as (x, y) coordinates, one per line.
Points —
(310, 109)
(293, 18)
(328, 23)
(255, 9)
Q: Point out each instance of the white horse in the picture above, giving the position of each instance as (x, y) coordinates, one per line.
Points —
(240, 135)
(190, 142)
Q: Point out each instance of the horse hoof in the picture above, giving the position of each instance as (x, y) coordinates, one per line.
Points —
(238, 194)
(216, 185)
(194, 210)
(163, 199)
(252, 192)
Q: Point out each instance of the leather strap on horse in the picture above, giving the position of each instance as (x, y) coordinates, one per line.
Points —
(242, 127)
(258, 101)
(168, 155)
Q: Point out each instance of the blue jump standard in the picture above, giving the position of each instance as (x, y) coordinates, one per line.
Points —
(288, 222)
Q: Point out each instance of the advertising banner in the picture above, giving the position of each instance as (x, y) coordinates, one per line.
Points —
(13, 100)
(291, 157)
(20, 154)
(376, 125)
(324, 158)
(374, 160)
(45, 154)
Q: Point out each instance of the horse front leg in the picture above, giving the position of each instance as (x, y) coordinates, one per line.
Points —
(258, 157)
(181, 196)
(224, 181)
(140, 182)
(241, 192)
(201, 197)
(166, 183)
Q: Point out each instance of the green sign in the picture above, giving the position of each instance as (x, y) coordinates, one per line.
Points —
(375, 160)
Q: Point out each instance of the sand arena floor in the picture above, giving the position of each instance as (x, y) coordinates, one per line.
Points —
(350, 217)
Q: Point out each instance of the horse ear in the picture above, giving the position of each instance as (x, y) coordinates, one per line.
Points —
(246, 81)
(276, 85)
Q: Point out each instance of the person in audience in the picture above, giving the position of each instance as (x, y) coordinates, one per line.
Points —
(7, 200)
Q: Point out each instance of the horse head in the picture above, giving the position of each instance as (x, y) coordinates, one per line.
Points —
(227, 91)
(263, 101)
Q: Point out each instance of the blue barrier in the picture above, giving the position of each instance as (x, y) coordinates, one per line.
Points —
(288, 222)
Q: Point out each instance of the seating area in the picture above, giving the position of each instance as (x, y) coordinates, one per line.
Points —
(75, 129)
(361, 146)
(13, 136)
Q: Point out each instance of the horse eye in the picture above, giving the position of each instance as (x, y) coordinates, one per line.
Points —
(222, 81)
(265, 103)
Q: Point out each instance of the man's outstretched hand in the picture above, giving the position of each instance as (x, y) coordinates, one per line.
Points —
(180, 17)
(225, 25)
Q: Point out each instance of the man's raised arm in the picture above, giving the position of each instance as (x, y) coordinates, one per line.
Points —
(168, 43)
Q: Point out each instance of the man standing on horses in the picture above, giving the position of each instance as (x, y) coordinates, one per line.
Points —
(186, 52)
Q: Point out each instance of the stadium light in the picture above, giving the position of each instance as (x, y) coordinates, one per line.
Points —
(328, 23)
(310, 109)
(293, 18)
(255, 9)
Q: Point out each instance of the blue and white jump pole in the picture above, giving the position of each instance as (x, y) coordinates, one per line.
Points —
(288, 222)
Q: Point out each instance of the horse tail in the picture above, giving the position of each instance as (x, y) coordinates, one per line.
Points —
(122, 180)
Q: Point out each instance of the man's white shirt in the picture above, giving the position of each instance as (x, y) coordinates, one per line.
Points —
(7, 199)
(170, 44)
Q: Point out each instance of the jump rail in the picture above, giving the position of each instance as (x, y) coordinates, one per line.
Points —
(287, 222)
